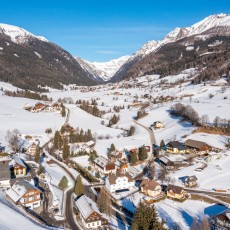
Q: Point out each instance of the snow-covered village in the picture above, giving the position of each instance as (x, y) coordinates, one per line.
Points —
(149, 150)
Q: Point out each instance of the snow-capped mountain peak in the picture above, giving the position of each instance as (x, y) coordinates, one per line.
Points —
(103, 70)
(17, 34)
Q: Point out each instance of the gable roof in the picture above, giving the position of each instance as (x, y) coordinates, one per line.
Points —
(174, 188)
(177, 145)
(149, 184)
(112, 177)
(19, 189)
(86, 206)
(194, 143)
(101, 161)
(16, 160)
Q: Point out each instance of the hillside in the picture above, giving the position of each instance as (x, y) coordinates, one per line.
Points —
(183, 48)
(29, 61)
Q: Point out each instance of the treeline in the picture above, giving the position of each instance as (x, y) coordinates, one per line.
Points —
(173, 58)
(185, 111)
(113, 120)
(92, 109)
(27, 94)
(79, 135)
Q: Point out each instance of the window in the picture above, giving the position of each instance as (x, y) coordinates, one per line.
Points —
(88, 225)
(97, 223)
(93, 224)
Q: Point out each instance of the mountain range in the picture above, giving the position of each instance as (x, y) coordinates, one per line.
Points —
(31, 62)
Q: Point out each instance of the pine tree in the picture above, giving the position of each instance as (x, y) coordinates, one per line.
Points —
(98, 175)
(79, 187)
(40, 170)
(66, 152)
(104, 202)
(142, 153)
(57, 140)
(133, 158)
(63, 184)
(63, 112)
(37, 155)
(112, 148)
(145, 218)
(162, 144)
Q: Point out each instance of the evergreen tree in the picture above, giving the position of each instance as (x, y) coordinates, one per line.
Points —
(62, 129)
(104, 202)
(57, 140)
(162, 144)
(98, 175)
(40, 170)
(63, 112)
(37, 154)
(133, 158)
(145, 218)
(63, 184)
(66, 152)
(112, 148)
(79, 187)
(142, 153)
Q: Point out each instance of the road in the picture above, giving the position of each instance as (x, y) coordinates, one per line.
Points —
(68, 195)
(153, 142)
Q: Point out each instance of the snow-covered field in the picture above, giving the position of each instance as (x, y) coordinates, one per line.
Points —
(11, 219)
(13, 116)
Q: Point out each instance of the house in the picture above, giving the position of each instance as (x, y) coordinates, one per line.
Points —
(123, 169)
(90, 144)
(157, 125)
(176, 147)
(25, 193)
(68, 128)
(5, 173)
(197, 145)
(120, 181)
(17, 166)
(38, 107)
(48, 108)
(90, 215)
(166, 163)
(57, 106)
(104, 165)
(191, 181)
(32, 149)
(212, 157)
(221, 220)
(175, 192)
(151, 188)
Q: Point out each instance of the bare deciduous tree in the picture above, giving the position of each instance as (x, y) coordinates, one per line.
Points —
(13, 139)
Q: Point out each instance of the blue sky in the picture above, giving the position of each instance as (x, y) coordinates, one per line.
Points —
(102, 30)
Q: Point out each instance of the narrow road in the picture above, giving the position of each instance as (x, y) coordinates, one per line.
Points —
(68, 203)
(153, 142)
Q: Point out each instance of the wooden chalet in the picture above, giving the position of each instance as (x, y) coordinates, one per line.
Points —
(17, 166)
(25, 193)
(175, 192)
(197, 145)
(104, 165)
(90, 215)
(176, 147)
(151, 188)
(191, 181)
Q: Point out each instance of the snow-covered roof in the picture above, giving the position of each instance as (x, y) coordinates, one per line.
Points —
(90, 143)
(102, 161)
(16, 160)
(86, 206)
(19, 189)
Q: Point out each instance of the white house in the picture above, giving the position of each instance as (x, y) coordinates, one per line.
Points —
(90, 216)
(115, 182)
(25, 193)
(31, 150)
